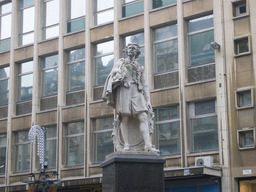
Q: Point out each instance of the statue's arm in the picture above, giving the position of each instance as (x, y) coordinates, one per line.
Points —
(146, 90)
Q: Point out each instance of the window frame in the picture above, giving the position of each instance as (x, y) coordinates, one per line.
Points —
(243, 130)
(171, 4)
(237, 98)
(130, 3)
(21, 34)
(2, 15)
(238, 40)
(236, 4)
(96, 12)
(4, 79)
(2, 147)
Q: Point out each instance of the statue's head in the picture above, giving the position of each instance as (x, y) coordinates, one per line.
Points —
(133, 48)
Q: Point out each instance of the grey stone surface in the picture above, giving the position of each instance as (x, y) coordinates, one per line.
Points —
(124, 172)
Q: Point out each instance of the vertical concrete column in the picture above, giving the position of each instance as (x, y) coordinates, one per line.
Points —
(182, 81)
(12, 90)
(117, 16)
(88, 80)
(61, 81)
(148, 44)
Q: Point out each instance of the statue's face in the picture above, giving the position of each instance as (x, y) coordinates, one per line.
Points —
(131, 51)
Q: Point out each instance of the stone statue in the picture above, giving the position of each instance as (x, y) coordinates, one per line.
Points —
(127, 92)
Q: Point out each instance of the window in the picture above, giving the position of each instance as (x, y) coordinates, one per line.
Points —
(74, 144)
(76, 69)
(242, 46)
(27, 20)
(247, 185)
(200, 36)
(76, 19)
(22, 152)
(203, 126)
(168, 130)
(102, 140)
(49, 75)
(103, 64)
(2, 153)
(139, 39)
(25, 81)
(4, 85)
(244, 98)
(160, 3)
(103, 11)
(239, 8)
(51, 18)
(51, 146)
(166, 57)
(246, 138)
(5, 20)
(132, 7)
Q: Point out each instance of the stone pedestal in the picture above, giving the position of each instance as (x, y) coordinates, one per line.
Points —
(133, 172)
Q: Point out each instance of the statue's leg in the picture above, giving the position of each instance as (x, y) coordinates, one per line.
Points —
(144, 129)
(124, 131)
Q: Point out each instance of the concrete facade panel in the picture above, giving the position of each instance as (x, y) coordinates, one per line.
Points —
(72, 173)
(74, 40)
(73, 114)
(246, 118)
(131, 24)
(162, 16)
(48, 47)
(165, 97)
(95, 170)
(3, 126)
(100, 109)
(241, 26)
(174, 162)
(46, 118)
(102, 32)
(5, 58)
(197, 7)
(23, 53)
(244, 79)
(21, 123)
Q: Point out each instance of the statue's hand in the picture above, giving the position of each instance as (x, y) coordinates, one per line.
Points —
(149, 106)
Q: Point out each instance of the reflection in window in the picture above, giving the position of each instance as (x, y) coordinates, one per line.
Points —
(132, 7)
(2, 153)
(102, 140)
(103, 62)
(242, 46)
(5, 24)
(51, 18)
(49, 75)
(74, 144)
(166, 56)
(4, 85)
(51, 140)
(22, 152)
(244, 98)
(103, 11)
(27, 18)
(246, 138)
(76, 20)
(160, 3)
(203, 126)
(168, 130)
(25, 81)
(139, 39)
(76, 70)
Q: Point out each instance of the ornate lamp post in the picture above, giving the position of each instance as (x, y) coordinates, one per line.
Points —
(44, 178)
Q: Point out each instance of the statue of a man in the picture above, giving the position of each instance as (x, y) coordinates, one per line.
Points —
(127, 92)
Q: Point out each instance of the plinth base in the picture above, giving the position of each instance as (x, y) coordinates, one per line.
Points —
(133, 172)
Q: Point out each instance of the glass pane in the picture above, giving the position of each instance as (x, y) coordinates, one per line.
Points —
(50, 61)
(51, 153)
(103, 66)
(246, 139)
(204, 134)
(51, 32)
(76, 25)
(103, 145)
(137, 38)
(209, 188)
(25, 84)
(166, 32)
(103, 123)
(104, 48)
(166, 56)
(22, 158)
(77, 8)
(75, 128)
(2, 160)
(169, 138)
(3, 140)
(75, 151)
(128, 1)
(21, 137)
(6, 8)
(26, 39)
(76, 76)
(26, 67)
(104, 17)
(76, 55)
(4, 72)
(26, 3)
(51, 13)
(185, 189)
(51, 132)
(200, 23)
(166, 79)
(204, 107)
(201, 73)
(5, 26)
(4, 90)
(50, 82)
(200, 50)
(28, 19)
(5, 45)
(243, 46)
(247, 185)
(244, 98)
(104, 4)
(168, 113)
(132, 9)
(160, 3)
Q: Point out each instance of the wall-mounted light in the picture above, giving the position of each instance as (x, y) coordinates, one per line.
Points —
(215, 46)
